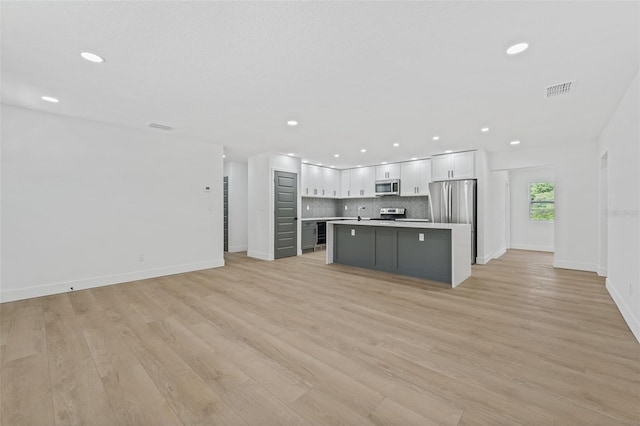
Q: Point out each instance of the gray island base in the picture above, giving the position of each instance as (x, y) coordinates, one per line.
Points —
(434, 251)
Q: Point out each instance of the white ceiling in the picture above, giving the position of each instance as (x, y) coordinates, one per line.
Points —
(354, 74)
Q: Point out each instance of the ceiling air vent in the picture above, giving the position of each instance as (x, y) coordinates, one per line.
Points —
(160, 126)
(559, 89)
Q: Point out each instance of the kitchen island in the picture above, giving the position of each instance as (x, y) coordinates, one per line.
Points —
(435, 251)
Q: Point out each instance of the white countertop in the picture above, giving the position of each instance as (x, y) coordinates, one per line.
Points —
(396, 224)
(330, 218)
(355, 217)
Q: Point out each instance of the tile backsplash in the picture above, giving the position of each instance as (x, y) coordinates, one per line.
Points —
(416, 207)
(320, 207)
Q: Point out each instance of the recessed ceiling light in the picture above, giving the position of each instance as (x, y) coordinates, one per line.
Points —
(224, 156)
(514, 142)
(336, 155)
(396, 144)
(50, 99)
(414, 158)
(435, 138)
(305, 161)
(92, 57)
(292, 123)
(448, 151)
(384, 162)
(319, 164)
(333, 167)
(517, 48)
(290, 154)
(358, 165)
(363, 150)
(484, 129)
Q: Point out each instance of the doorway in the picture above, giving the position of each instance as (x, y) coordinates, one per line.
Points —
(286, 215)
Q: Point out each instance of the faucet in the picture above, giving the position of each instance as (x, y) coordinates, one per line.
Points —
(359, 218)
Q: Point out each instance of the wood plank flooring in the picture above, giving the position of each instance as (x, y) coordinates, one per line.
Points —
(297, 342)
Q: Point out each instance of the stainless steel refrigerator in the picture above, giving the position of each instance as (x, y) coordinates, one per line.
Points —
(455, 202)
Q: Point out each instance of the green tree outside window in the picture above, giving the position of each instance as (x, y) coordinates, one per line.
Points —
(542, 201)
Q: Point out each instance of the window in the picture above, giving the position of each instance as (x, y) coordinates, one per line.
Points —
(542, 206)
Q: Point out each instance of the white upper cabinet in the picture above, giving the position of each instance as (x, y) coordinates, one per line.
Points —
(388, 171)
(306, 187)
(358, 182)
(345, 183)
(330, 184)
(368, 181)
(320, 182)
(460, 165)
(414, 178)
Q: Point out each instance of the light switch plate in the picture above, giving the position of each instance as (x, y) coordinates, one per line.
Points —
(353, 232)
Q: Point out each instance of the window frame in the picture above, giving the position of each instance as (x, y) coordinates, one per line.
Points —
(542, 202)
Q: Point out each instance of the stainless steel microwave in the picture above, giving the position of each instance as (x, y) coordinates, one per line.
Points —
(388, 187)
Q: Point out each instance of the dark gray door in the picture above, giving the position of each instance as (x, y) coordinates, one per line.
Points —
(226, 212)
(286, 214)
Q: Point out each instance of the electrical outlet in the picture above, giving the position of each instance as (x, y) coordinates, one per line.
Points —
(353, 232)
(420, 236)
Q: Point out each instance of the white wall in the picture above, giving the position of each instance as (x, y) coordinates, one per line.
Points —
(258, 225)
(575, 168)
(238, 186)
(526, 234)
(620, 141)
(497, 206)
(261, 227)
(87, 204)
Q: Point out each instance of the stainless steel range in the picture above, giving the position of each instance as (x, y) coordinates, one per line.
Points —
(391, 213)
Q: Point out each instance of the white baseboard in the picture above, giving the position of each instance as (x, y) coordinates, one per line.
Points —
(486, 259)
(578, 266)
(85, 283)
(499, 253)
(632, 321)
(236, 249)
(531, 247)
(602, 272)
(258, 255)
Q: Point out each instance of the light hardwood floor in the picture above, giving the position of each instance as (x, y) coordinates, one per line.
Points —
(296, 342)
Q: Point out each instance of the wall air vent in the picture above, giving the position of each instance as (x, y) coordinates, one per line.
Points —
(160, 126)
(559, 89)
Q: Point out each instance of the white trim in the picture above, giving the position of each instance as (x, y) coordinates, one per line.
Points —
(532, 248)
(578, 266)
(259, 255)
(236, 249)
(499, 253)
(82, 284)
(632, 321)
(486, 259)
(602, 272)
